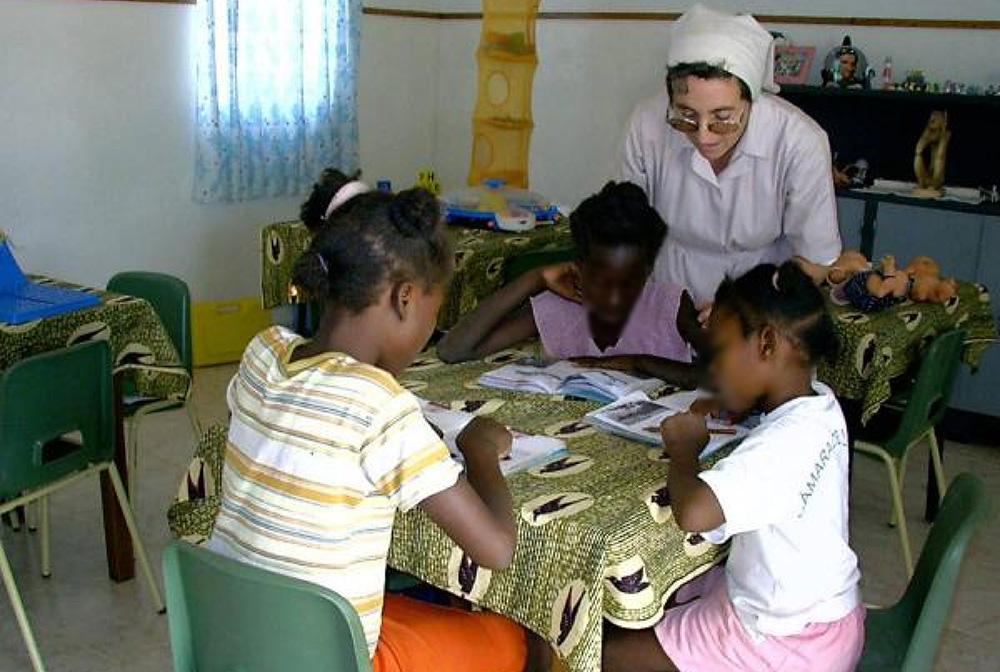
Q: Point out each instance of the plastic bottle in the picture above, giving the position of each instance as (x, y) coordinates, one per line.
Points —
(887, 73)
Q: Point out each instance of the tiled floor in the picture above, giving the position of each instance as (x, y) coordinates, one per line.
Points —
(86, 623)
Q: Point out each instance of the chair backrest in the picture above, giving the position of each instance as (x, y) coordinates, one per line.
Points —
(931, 392)
(227, 616)
(522, 263)
(923, 609)
(169, 297)
(49, 395)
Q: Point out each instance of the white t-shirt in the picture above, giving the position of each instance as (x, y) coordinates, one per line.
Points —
(784, 496)
(774, 199)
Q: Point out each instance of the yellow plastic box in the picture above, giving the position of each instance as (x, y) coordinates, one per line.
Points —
(222, 329)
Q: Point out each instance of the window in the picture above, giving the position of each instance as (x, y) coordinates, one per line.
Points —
(276, 95)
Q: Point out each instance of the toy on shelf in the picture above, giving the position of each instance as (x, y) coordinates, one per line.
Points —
(502, 120)
(869, 289)
(930, 155)
(427, 179)
(494, 205)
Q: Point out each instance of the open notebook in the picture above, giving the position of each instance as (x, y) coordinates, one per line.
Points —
(638, 418)
(528, 450)
(600, 385)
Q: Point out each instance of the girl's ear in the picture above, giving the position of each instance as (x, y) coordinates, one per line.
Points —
(767, 342)
(402, 297)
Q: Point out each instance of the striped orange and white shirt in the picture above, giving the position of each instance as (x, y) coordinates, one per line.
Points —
(321, 453)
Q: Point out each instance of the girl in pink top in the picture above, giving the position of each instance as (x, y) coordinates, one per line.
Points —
(601, 310)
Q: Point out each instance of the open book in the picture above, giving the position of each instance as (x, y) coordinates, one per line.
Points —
(638, 418)
(600, 385)
(527, 450)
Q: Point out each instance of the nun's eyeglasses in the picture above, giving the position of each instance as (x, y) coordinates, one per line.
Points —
(716, 126)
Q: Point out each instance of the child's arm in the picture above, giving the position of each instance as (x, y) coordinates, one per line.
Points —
(477, 512)
(501, 320)
(690, 328)
(695, 506)
(682, 374)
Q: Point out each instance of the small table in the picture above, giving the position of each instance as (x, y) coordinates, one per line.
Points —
(879, 347)
(141, 348)
(480, 260)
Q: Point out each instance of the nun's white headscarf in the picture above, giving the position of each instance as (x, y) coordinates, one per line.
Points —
(735, 43)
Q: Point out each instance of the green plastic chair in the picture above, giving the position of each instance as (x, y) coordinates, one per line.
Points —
(227, 616)
(42, 399)
(905, 636)
(924, 409)
(529, 261)
(170, 298)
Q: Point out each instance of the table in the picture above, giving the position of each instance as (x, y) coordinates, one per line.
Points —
(141, 350)
(596, 538)
(480, 259)
(878, 347)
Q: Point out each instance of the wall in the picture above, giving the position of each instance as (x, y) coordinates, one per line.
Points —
(591, 74)
(96, 140)
(96, 118)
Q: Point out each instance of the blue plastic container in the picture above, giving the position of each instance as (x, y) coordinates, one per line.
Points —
(23, 301)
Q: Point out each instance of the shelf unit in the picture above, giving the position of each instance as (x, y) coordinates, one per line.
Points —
(502, 122)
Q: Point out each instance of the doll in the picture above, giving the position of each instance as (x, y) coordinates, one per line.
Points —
(875, 290)
(928, 285)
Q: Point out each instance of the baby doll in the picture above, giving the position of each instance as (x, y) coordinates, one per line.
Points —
(927, 283)
(875, 290)
(847, 264)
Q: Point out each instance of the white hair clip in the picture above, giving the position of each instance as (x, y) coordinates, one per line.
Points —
(774, 281)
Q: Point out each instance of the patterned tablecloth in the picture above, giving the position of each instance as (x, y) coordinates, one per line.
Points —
(596, 538)
(877, 347)
(139, 342)
(480, 259)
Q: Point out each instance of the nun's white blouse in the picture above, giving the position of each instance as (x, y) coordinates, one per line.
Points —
(774, 199)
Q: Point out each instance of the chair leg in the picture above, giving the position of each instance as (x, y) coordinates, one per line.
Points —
(140, 550)
(19, 613)
(900, 468)
(899, 514)
(44, 522)
(132, 452)
(31, 516)
(936, 461)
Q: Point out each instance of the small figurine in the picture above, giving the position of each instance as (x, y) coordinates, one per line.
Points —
(930, 170)
(427, 179)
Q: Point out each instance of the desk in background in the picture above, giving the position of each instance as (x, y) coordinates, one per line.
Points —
(481, 259)
(141, 349)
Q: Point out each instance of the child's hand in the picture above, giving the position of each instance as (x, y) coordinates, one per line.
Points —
(617, 363)
(483, 433)
(563, 279)
(684, 435)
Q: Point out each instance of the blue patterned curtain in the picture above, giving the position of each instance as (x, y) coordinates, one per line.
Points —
(276, 95)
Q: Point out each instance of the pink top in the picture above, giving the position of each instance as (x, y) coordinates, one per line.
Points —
(651, 329)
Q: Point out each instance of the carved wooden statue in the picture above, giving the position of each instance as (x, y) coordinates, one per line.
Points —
(929, 159)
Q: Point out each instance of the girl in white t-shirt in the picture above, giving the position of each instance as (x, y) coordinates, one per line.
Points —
(788, 598)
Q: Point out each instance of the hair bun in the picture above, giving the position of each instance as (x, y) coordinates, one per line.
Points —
(414, 211)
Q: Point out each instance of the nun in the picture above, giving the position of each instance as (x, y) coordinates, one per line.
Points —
(741, 176)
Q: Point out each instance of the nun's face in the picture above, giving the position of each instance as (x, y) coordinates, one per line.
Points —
(707, 102)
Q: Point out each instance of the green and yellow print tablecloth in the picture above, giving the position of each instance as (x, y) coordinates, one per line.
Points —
(596, 538)
(140, 345)
(480, 259)
(877, 347)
